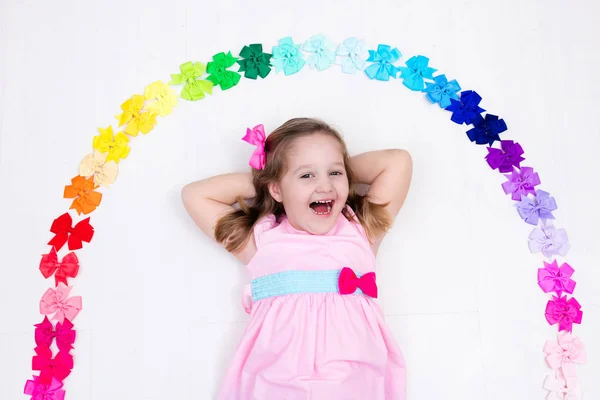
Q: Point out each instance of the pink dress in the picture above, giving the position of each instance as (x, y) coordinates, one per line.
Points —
(304, 340)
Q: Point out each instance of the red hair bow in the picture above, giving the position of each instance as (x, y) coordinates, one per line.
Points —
(61, 227)
(67, 268)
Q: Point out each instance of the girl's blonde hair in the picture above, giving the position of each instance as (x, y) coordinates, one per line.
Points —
(235, 228)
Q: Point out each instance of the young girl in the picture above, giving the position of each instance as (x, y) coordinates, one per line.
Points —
(309, 242)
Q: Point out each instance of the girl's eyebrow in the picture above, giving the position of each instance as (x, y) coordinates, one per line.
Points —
(337, 164)
(302, 166)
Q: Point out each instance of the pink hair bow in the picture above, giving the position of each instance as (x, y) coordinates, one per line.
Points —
(58, 301)
(256, 137)
(348, 283)
(562, 389)
(565, 352)
(64, 334)
(59, 367)
(43, 391)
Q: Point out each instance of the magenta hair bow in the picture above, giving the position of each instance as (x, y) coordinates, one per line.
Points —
(64, 334)
(44, 391)
(58, 367)
(58, 301)
(566, 313)
(348, 283)
(256, 137)
(565, 352)
(553, 278)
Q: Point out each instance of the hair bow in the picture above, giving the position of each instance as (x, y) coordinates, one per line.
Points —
(64, 334)
(348, 282)
(67, 268)
(58, 301)
(562, 389)
(44, 391)
(256, 137)
(564, 312)
(564, 353)
(553, 278)
(61, 227)
(82, 190)
(541, 207)
(104, 172)
(58, 367)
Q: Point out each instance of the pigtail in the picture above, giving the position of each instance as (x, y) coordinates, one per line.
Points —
(373, 217)
(235, 228)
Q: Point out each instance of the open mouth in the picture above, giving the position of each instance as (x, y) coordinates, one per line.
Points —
(322, 207)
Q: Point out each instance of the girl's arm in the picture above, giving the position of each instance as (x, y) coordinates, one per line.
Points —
(209, 199)
(389, 173)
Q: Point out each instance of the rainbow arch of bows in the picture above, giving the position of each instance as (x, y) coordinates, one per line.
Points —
(139, 114)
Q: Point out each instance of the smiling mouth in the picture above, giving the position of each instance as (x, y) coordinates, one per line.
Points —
(322, 207)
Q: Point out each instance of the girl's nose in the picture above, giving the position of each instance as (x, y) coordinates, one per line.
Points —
(324, 186)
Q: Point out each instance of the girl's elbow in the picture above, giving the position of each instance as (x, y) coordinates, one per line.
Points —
(400, 157)
(189, 193)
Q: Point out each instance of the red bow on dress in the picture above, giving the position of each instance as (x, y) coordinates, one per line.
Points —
(349, 282)
(67, 268)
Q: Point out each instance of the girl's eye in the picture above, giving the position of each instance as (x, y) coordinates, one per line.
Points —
(310, 175)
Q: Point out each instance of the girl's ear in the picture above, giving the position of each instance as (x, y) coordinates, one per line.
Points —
(275, 191)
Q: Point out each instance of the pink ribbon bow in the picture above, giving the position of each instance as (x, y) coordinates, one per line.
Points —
(67, 268)
(256, 137)
(64, 334)
(348, 282)
(562, 389)
(565, 352)
(58, 301)
(43, 391)
(59, 367)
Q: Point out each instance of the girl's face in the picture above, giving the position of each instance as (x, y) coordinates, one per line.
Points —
(315, 186)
